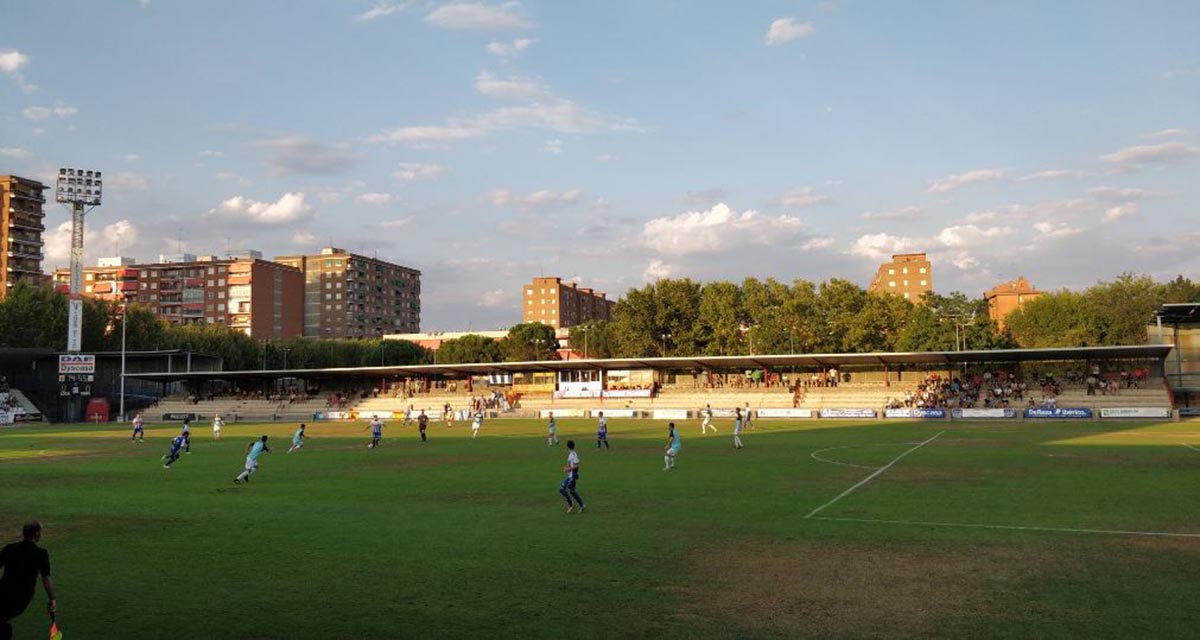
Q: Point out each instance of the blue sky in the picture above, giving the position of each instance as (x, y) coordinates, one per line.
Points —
(618, 142)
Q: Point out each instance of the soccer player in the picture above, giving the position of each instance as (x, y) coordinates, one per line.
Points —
(376, 428)
(187, 435)
(602, 431)
(298, 439)
(217, 424)
(253, 451)
(448, 414)
(567, 488)
(672, 448)
(737, 427)
(422, 422)
(476, 424)
(408, 415)
(139, 432)
(552, 438)
(23, 562)
(707, 424)
(749, 418)
(176, 444)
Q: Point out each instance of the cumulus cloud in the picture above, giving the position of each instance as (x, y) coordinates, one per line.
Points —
(59, 110)
(1112, 214)
(1170, 133)
(878, 246)
(656, 270)
(717, 229)
(510, 49)
(1054, 174)
(804, 198)
(553, 146)
(818, 243)
(427, 134)
(11, 64)
(304, 238)
(380, 10)
(209, 153)
(1112, 194)
(414, 171)
(901, 213)
(126, 181)
(969, 235)
(288, 209)
(478, 16)
(97, 241)
(299, 155)
(493, 298)
(1055, 230)
(785, 30)
(541, 199)
(952, 182)
(375, 199)
(16, 153)
(513, 88)
(1140, 155)
(396, 223)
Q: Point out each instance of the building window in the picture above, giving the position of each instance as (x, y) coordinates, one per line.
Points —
(220, 306)
(906, 283)
(891, 272)
(922, 269)
(211, 271)
(924, 283)
(905, 270)
(891, 283)
(220, 295)
(329, 296)
(529, 292)
(905, 295)
(220, 282)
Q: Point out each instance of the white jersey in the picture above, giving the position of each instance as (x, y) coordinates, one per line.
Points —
(217, 424)
(573, 461)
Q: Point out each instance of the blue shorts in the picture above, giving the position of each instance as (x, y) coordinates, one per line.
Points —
(602, 435)
(138, 430)
(569, 481)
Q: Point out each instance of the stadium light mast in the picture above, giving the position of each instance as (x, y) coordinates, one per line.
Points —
(81, 190)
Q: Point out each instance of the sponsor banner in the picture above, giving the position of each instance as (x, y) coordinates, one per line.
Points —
(371, 415)
(669, 414)
(907, 412)
(720, 413)
(178, 417)
(1135, 412)
(75, 320)
(337, 415)
(562, 413)
(1074, 413)
(627, 393)
(615, 413)
(577, 393)
(76, 364)
(847, 413)
(959, 414)
(785, 413)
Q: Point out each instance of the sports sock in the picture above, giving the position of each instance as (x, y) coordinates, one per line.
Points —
(666, 462)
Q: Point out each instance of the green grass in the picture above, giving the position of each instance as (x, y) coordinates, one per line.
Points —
(462, 538)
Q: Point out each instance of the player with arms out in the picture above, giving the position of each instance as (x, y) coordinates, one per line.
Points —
(567, 488)
(707, 423)
(376, 428)
(139, 431)
(297, 439)
(217, 424)
(552, 437)
(176, 446)
(253, 451)
(602, 431)
(672, 448)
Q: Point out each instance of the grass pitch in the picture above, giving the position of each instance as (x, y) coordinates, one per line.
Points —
(986, 530)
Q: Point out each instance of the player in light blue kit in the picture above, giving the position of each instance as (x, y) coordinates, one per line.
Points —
(173, 455)
(552, 438)
(673, 446)
(139, 432)
(567, 488)
(253, 451)
(602, 431)
(297, 439)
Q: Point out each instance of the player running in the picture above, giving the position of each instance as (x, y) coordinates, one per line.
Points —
(217, 424)
(672, 448)
(297, 439)
(707, 424)
(476, 424)
(448, 415)
(567, 488)
(139, 431)
(602, 431)
(376, 428)
(253, 451)
(173, 454)
(737, 427)
(187, 435)
(552, 437)
(422, 423)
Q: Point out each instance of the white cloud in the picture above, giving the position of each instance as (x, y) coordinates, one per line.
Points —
(427, 134)
(299, 155)
(15, 153)
(493, 298)
(290, 208)
(952, 182)
(11, 64)
(512, 88)
(901, 213)
(414, 171)
(803, 198)
(820, 242)
(304, 238)
(977, 217)
(785, 30)
(1136, 156)
(656, 270)
(478, 15)
(510, 49)
(375, 199)
(1170, 133)
(1055, 230)
(969, 235)
(59, 110)
(1112, 214)
(116, 237)
(717, 229)
(130, 157)
(229, 176)
(126, 181)
(1113, 194)
(380, 10)
(535, 200)
(1054, 174)
(879, 246)
(396, 223)
(209, 153)
(553, 147)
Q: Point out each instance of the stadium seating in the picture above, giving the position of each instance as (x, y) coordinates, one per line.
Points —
(23, 410)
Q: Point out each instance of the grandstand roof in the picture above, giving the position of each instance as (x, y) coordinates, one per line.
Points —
(1179, 313)
(812, 361)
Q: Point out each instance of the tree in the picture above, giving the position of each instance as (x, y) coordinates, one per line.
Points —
(529, 341)
(594, 339)
(469, 348)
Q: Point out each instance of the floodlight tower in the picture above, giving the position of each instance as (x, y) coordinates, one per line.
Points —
(80, 189)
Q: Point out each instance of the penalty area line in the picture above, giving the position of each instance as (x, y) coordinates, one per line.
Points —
(872, 476)
(1013, 527)
(1189, 446)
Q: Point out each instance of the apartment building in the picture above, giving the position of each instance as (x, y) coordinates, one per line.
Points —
(1007, 297)
(908, 275)
(563, 304)
(347, 295)
(22, 214)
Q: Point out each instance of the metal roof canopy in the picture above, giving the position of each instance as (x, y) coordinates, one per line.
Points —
(1179, 313)
(815, 360)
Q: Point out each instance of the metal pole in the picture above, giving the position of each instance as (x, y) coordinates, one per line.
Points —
(75, 316)
(585, 344)
(124, 314)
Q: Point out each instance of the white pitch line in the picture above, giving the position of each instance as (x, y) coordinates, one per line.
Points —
(964, 525)
(815, 455)
(1189, 446)
(872, 476)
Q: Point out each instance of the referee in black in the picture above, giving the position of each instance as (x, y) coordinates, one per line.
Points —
(22, 563)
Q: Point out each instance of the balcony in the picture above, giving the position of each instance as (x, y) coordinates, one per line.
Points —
(21, 222)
